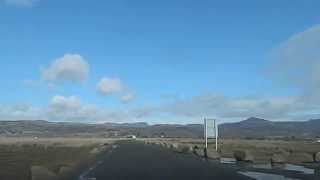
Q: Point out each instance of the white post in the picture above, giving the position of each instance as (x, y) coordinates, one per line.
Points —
(206, 131)
(216, 131)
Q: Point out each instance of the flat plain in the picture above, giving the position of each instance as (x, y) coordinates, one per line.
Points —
(67, 158)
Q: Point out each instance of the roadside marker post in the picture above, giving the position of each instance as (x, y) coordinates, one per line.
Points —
(210, 131)
(206, 132)
(216, 130)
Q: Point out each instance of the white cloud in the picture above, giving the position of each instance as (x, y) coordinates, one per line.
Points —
(227, 108)
(69, 68)
(20, 112)
(70, 108)
(114, 86)
(127, 97)
(63, 108)
(62, 103)
(107, 86)
(297, 63)
(21, 3)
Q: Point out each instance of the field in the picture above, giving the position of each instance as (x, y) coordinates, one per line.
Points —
(58, 158)
(67, 158)
(296, 152)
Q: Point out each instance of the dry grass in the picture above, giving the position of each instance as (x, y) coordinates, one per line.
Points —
(261, 149)
(18, 155)
(71, 142)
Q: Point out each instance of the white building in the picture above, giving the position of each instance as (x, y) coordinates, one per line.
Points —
(132, 136)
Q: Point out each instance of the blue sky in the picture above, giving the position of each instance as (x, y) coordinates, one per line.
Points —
(172, 60)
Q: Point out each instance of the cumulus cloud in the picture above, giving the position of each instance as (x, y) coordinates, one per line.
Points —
(107, 86)
(20, 112)
(114, 86)
(70, 109)
(21, 3)
(62, 103)
(295, 64)
(127, 97)
(63, 108)
(227, 108)
(69, 68)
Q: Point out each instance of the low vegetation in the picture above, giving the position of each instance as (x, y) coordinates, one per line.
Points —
(41, 159)
(66, 158)
(261, 151)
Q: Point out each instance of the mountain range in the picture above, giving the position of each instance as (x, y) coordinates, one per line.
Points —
(261, 128)
(249, 128)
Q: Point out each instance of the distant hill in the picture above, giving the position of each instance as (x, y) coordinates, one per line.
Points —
(53, 129)
(249, 128)
(261, 128)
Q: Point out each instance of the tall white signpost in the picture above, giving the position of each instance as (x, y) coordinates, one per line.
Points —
(210, 131)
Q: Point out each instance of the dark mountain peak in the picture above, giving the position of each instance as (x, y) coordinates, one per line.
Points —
(254, 120)
(314, 120)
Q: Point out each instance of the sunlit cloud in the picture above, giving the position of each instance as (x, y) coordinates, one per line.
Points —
(69, 68)
(295, 64)
(66, 109)
(127, 97)
(107, 86)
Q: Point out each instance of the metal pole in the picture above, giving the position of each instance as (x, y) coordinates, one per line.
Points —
(206, 131)
(204, 128)
(216, 131)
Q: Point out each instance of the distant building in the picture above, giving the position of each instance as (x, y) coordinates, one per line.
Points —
(132, 136)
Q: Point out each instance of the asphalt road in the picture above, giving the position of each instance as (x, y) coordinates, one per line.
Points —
(147, 162)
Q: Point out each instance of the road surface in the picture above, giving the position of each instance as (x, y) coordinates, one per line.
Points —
(133, 160)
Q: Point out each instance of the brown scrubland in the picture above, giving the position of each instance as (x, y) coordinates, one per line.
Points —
(66, 158)
(260, 151)
(48, 158)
